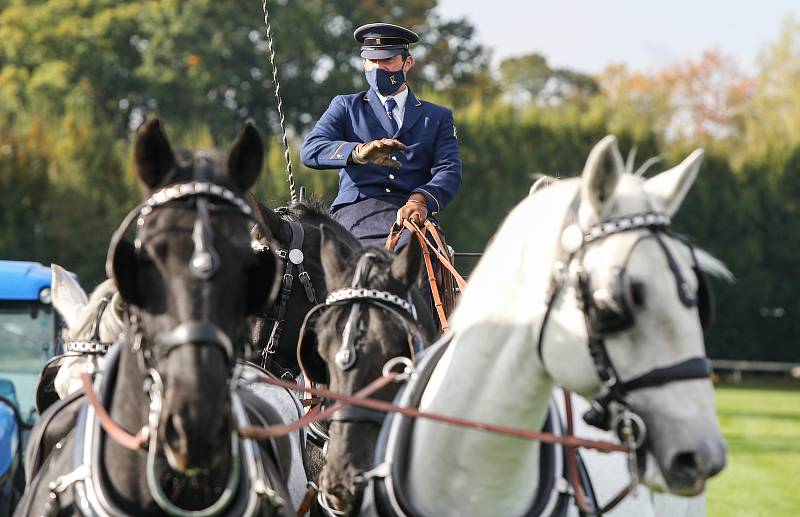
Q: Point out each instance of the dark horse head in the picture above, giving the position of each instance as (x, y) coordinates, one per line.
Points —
(358, 333)
(275, 332)
(191, 279)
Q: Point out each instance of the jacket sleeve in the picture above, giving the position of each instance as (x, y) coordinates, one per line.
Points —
(446, 170)
(325, 147)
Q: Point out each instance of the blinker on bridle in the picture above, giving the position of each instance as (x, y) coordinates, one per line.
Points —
(204, 262)
(617, 315)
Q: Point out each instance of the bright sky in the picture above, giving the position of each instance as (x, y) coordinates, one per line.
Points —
(587, 35)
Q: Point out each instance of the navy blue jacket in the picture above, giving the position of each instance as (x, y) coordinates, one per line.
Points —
(432, 168)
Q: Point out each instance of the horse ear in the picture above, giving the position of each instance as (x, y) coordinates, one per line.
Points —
(69, 298)
(152, 154)
(333, 254)
(407, 264)
(601, 175)
(541, 183)
(671, 186)
(246, 158)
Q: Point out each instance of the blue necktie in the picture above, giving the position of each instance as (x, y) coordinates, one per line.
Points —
(390, 105)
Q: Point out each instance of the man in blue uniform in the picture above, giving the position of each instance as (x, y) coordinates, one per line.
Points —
(397, 156)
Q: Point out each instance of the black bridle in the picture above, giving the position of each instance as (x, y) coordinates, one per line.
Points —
(347, 356)
(617, 315)
(203, 264)
(352, 337)
(293, 260)
(93, 345)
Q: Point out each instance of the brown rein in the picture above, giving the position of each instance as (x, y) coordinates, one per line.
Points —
(427, 247)
(119, 435)
(360, 399)
(387, 407)
(314, 414)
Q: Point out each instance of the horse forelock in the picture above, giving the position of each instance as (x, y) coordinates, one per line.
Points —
(203, 165)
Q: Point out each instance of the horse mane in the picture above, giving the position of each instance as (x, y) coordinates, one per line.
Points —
(311, 206)
(515, 269)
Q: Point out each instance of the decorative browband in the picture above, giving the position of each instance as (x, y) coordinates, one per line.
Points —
(361, 293)
(622, 224)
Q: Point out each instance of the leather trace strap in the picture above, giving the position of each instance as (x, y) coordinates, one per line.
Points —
(427, 247)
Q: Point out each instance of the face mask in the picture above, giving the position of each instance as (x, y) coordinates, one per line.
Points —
(386, 83)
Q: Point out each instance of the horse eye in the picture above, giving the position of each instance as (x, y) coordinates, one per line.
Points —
(637, 293)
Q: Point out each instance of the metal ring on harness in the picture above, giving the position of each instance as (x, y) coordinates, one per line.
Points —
(405, 362)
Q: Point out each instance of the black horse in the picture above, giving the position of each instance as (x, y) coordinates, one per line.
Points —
(375, 313)
(275, 332)
(190, 279)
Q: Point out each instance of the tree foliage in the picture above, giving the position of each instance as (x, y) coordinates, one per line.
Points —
(76, 76)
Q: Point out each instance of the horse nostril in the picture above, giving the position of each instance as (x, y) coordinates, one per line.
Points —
(686, 464)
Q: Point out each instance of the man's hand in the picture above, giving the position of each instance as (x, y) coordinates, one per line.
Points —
(415, 210)
(378, 152)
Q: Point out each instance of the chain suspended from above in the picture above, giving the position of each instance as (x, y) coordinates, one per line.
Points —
(277, 84)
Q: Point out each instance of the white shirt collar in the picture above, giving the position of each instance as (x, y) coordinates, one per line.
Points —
(399, 98)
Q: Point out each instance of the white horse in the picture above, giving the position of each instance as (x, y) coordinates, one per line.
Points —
(492, 371)
(92, 322)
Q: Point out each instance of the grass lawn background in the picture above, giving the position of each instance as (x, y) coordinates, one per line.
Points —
(761, 423)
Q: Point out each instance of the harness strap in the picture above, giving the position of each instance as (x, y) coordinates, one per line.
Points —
(286, 293)
(694, 368)
(100, 309)
(309, 498)
(427, 247)
(294, 259)
(574, 475)
(437, 297)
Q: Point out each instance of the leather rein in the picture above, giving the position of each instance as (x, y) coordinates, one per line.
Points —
(438, 250)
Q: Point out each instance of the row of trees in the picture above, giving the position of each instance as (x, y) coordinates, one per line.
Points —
(76, 76)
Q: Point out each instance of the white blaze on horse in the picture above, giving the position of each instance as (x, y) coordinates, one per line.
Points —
(626, 291)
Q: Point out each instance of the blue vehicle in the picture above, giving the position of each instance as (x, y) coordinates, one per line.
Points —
(29, 328)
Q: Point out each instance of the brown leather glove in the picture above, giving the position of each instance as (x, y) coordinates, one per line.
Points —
(415, 210)
(378, 152)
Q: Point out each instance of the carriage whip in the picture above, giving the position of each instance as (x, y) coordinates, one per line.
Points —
(281, 116)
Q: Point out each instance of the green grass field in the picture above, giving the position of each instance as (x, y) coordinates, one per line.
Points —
(761, 423)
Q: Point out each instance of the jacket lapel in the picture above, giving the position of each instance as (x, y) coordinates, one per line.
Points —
(412, 112)
(379, 112)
